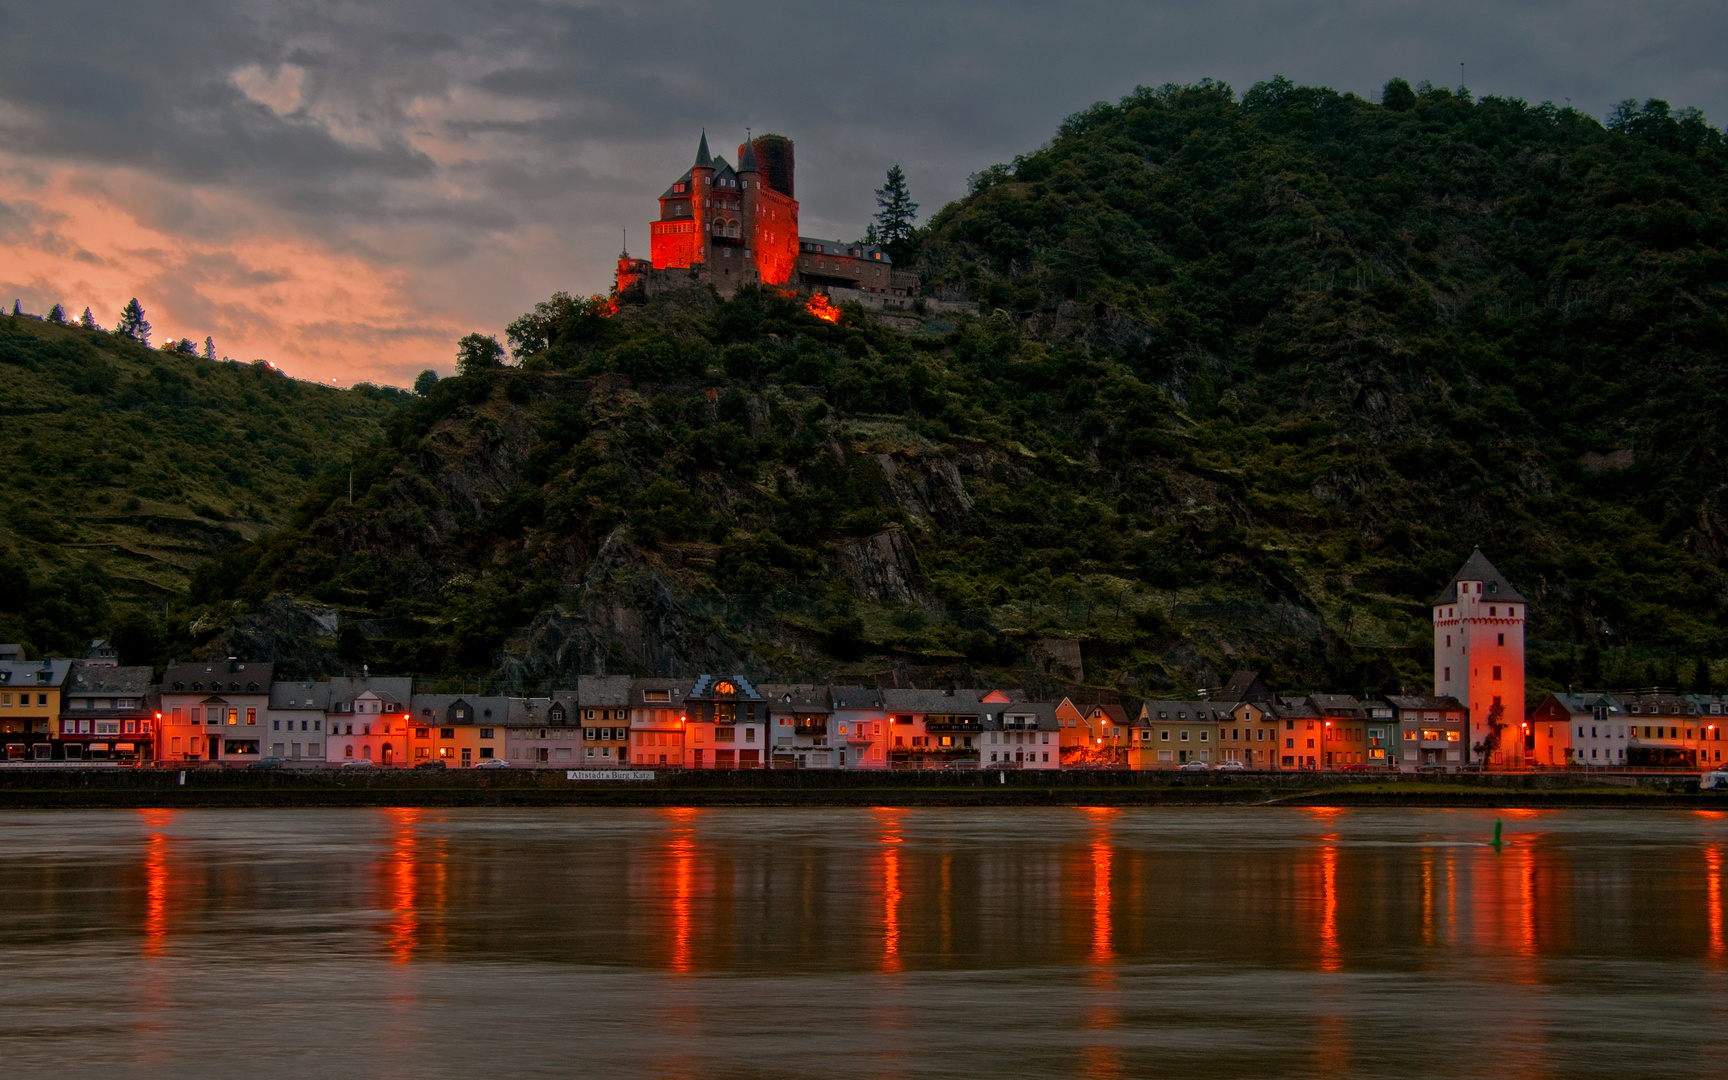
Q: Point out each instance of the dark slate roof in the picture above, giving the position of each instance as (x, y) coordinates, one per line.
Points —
(1582, 704)
(1183, 712)
(385, 687)
(940, 702)
(487, 710)
(226, 676)
(747, 157)
(795, 697)
(308, 695)
(87, 680)
(603, 691)
(537, 711)
(702, 157)
(1415, 702)
(855, 697)
(842, 249)
(1478, 568)
(1043, 714)
(1336, 704)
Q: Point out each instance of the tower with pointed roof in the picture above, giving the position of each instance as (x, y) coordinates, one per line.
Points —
(728, 226)
(1479, 621)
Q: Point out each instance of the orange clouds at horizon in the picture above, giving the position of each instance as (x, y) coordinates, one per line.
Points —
(208, 262)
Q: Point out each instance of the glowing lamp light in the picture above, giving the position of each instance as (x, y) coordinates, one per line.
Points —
(819, 306)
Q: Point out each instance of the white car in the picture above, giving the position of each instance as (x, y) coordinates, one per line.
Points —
(492, 763)
(1230, 766)
(1193, 766)
(1713, 781)
(357, 763)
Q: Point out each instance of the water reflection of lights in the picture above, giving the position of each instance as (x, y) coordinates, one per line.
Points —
(404, 926)
(1713, 897)
(156, 881)
(682, 849)
(890, 840)
(1102, 1059)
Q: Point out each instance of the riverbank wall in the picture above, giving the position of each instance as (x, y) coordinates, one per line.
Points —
(168, 788)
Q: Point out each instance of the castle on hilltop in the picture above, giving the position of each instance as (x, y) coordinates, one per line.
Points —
(727, 227)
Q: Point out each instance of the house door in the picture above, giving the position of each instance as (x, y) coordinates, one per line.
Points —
(215, 747)
(388, 755)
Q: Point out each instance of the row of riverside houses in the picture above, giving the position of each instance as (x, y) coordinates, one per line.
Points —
(237, 712)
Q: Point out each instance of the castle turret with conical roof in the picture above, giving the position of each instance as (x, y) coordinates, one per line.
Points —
(1479, 621)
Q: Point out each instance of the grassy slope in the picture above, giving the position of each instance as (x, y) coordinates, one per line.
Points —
(123, 468)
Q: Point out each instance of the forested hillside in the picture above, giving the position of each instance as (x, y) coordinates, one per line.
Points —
(122, 468)
(1249, 378)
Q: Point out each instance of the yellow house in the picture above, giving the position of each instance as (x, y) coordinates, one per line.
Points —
(30, 705)
(1172, 734)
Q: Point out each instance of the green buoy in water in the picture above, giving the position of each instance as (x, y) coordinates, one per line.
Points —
(1496, 834)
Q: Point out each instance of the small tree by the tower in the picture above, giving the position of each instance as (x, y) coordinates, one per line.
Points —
(897, 210)
(1490, 744)
(132, 323)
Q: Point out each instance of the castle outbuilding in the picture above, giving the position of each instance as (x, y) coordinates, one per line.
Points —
(1479, 621)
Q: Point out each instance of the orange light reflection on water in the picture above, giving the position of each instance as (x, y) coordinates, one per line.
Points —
(404, 927)
(1713, 897)
(1102, 1059)
(891, 896)
(682, 850)
(156, 881)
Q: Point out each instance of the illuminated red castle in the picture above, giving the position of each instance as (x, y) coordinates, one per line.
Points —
(727, 227)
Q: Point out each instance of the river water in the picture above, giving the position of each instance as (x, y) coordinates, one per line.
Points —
(862, 943)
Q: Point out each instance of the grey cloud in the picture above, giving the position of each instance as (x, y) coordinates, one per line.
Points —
(506, 143)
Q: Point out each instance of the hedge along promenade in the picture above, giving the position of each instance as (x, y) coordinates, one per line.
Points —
(169, 788)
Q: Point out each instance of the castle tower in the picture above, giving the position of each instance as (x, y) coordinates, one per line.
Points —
(770, 212)
(702, 197)
(1479, 658)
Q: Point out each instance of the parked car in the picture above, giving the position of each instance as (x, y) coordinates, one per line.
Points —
(357, 763)
(1230, 766)
(1713, 781)
(492, 763)
(267, 763)
(432, 763)
(1193, 766)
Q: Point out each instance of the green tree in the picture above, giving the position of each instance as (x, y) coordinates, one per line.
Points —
(898, 211)
(424, 384)
(88, 321)
(57, 315)
(209, 348)
(1398, 96)
(132, 323)
(478, 352)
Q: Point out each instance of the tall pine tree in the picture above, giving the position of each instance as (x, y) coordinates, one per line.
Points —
(132, 323)
(898, 211)
(88, 321)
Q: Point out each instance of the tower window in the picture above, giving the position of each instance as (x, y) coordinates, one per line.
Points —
(1496, 674)
(1502, 638)
(1448, 676)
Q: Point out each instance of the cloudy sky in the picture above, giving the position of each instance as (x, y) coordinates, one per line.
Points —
(344, 188)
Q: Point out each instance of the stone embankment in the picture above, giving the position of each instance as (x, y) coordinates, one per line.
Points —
(139, 788)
